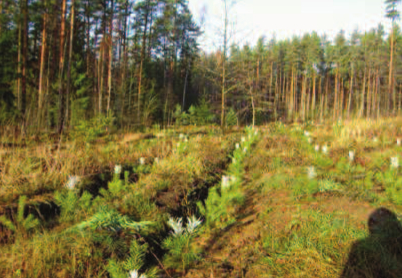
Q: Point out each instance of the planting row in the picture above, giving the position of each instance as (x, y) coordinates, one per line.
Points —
(125, 228)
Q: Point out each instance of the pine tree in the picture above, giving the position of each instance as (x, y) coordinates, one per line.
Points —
(393, 14)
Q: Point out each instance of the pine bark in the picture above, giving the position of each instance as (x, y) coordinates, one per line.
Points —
(110, 57)
(70, 56)
(42, 67)
(61, 66)
(24, 56)
(143, 47)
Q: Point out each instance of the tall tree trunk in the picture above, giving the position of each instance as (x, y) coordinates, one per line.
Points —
(390, 85)
(42, 67)
(24, 57)
(150, 41)
(369, 94)
(296, 106)
(253, 105)
(143, 47)
(88, 27)
(276, 93)
(326, 96)
(308, 100)
(185, 86)
(291, 92)
(361, 113)
(303, 98)
(1, 14)
(321, 94)
(61, 66)
(350, 93)
(314, 95)
(110, 57)
(48, 103)
(19, 65)
(123, 88)
(336, 95)
(375, 93)
(70, 56)
(342, 104)
(270, 80)
(379, 94)
(224, 66)
(101, 78)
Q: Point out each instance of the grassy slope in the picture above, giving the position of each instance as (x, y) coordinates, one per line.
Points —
(166, 188)
(291, 228)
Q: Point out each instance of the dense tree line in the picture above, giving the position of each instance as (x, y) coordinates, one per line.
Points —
(63, 61)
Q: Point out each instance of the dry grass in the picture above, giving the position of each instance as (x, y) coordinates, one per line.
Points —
(30, 171)
(290, 226)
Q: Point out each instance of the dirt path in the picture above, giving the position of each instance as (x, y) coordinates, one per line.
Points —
(235, 251)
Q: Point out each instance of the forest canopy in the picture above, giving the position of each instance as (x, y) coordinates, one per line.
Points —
(140, 63)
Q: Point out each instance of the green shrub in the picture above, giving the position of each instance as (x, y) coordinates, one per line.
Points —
(197, 115)
(73, 207)
(133, 264)
(89, 131)
(181, 253)
(23, 224)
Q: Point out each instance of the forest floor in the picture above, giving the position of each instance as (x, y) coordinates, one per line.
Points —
(294, 208)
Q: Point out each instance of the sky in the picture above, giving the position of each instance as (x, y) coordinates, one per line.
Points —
(251, 19)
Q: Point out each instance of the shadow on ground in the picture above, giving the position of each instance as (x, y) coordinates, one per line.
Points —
(380, 254)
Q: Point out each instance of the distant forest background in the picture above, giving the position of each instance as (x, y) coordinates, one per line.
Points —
(139, 63)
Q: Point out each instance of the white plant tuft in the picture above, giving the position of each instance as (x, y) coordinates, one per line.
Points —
(351, 155)
(306, 133)
(317, 148)
(117, 169)
(225, 182)
(181, 136)
(243, 139)
(311, 172)
(72, 182)
(237, 145)
(325, 149)
(192, 224)
(176, 225)
(394, 162)
(134, 274)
